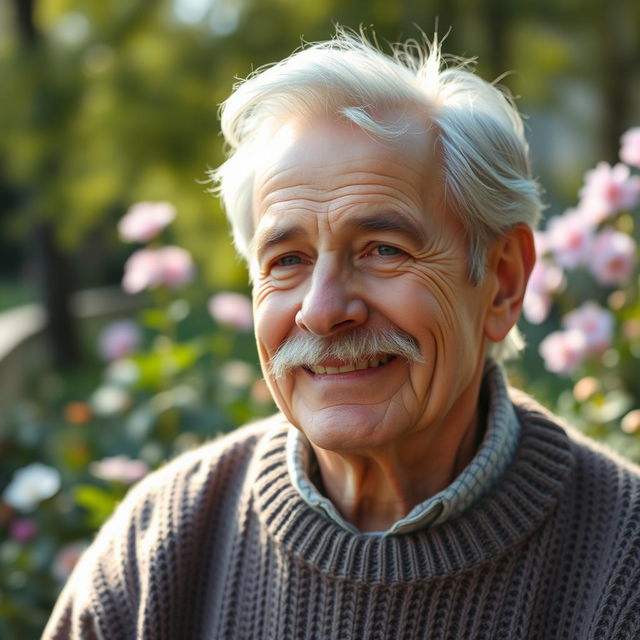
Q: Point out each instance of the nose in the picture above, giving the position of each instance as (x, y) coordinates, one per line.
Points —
(331, 303)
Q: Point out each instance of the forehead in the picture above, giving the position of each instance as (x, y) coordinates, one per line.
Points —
(336, 168)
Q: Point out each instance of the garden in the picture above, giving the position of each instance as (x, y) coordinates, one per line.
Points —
(103, 163)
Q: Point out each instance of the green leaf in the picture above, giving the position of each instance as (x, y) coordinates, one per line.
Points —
(154, 318)
(98, 502)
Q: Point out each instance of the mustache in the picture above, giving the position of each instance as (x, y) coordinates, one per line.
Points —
(357, 344)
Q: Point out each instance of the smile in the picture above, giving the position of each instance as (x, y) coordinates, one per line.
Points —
(372, 363)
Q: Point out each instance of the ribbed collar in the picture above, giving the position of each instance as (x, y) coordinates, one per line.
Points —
(519, 503)
(494, 455)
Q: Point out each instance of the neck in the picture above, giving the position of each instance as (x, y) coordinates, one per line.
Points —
(374, 489)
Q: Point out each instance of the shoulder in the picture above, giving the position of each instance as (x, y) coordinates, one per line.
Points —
(156, 536)
(181, 494)
(597, 470)
(224, 454)
(590, 455)
(599, 511)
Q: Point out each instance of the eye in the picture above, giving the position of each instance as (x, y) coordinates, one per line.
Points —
(288, 261)
(387, 250)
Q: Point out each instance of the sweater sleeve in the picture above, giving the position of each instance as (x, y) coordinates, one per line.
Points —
(144, 568)
(101, 595)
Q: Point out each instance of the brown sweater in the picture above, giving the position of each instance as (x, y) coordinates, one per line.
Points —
(218, 544)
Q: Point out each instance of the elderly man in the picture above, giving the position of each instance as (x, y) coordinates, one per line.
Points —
(385, 207)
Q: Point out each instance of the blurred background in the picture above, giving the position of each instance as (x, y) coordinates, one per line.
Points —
(107, 105)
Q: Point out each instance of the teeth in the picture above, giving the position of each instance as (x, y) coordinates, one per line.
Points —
(356, 366)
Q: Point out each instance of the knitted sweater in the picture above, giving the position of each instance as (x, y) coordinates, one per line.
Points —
(219, 544)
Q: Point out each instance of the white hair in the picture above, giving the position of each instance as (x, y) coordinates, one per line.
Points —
(485, 173)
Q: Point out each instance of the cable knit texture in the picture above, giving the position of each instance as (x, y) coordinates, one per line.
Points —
(219, 544)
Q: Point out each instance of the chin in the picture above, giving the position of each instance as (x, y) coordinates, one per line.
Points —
(348, 429)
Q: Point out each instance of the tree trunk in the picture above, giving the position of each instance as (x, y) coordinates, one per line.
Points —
(52, 264)
(618, 53)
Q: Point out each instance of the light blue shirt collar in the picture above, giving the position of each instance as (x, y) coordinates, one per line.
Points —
(490, 462)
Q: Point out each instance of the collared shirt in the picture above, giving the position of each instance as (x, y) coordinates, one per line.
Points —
(492, 458)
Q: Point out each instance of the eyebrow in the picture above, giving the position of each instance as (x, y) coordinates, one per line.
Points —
(272, 236)
(390, 221)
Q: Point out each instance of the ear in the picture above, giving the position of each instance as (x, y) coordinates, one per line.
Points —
(509, 264)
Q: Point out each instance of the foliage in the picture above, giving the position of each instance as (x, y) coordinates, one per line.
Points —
(70, 450)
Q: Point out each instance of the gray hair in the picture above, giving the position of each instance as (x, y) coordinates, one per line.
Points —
(307, 349)
(485, 170)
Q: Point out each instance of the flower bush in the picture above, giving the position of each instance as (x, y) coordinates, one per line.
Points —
(182, 371)
(584, 287)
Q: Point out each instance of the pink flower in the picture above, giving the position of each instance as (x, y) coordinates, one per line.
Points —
(609, 189)
(142, 271)
(118, 339)
(595, 324)
(119, 469)
(145, 220)
(66, 559)
(631, 422)
(23, 529)
(151, 268)
(232, 310)
(630, 149)
(177, 266)
(563, 351)
(540, 242)
(569, 237)
(546, 278)
(614, 256)
(536, 306)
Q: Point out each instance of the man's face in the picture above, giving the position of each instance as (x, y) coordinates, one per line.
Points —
(351, 235)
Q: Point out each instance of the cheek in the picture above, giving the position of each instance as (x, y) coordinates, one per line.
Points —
(415, 304)
(274, 316)
(273, 324)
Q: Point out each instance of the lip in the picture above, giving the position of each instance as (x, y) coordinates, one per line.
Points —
(346, 375)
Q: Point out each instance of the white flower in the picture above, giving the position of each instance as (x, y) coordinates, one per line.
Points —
(122, 373)
(31, 485)
(109, 400)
